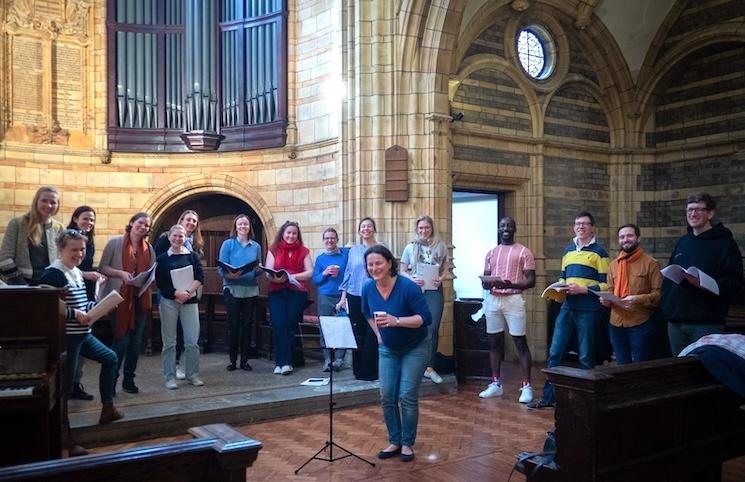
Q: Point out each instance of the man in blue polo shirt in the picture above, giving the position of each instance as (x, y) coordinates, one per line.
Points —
(584, 267)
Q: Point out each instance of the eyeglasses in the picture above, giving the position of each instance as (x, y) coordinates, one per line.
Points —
(582, 223)
(697, 210)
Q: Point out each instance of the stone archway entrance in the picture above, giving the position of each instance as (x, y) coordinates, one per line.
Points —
(216, 214)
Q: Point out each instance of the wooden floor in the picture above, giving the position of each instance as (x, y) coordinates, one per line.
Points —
(460, 438)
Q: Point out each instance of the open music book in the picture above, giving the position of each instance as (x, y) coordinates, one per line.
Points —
(693, 275)
(235, 269)
(279, 273)
(555, 291)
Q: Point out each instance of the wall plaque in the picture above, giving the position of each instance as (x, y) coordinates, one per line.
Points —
(27, 83)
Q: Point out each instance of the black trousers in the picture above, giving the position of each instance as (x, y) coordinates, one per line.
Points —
(365, 357)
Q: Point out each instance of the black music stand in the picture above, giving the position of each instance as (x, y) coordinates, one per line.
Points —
(330, 444)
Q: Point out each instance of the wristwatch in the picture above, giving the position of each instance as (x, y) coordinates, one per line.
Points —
(398, 321)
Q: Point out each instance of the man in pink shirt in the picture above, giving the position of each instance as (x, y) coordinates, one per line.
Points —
(513, 267)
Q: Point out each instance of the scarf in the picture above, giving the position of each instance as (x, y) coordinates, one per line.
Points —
(134, 260)
(621, 288)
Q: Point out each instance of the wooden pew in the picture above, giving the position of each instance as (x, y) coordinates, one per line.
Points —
(663, 420)
(217, 453)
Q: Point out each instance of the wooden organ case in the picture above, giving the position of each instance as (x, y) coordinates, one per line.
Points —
(32, 360)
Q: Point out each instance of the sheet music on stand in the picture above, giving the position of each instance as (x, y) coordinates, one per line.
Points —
(337, 332)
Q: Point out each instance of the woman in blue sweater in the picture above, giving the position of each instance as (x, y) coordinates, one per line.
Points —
(327, 275)
(398, 314)
(240, 288)
(179, 303)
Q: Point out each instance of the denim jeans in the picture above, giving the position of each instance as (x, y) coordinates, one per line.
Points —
(435, 303)
(683, 334)
(127, 348)
(569, 322)
(327, 307)
(170, 313)
(634, 343)
(400, 376)
(88, 346)
(240, 325)
(286, 310)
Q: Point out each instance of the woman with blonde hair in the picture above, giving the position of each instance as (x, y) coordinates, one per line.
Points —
(29, 244)
(194, 241)
(425, 254)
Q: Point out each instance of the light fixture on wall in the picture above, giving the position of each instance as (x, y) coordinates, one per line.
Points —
(456, 116)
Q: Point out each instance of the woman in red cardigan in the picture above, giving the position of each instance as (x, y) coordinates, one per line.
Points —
(288, 292)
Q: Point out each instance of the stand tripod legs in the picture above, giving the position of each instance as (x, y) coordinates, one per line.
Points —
(330, 444)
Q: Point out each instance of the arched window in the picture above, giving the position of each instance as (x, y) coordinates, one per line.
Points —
(196, 74)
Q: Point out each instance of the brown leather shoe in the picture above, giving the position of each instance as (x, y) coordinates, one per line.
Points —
(109, 413)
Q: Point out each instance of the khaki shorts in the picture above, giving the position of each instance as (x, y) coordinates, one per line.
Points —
(507, 308)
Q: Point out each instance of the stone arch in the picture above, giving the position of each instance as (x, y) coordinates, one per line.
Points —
(648, 90)
(493, 62)
(615, 127)
(187, 186)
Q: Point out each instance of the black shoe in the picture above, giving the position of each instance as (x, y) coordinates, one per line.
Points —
(130, 387)
(78, 393)
(230, 367)
(406, 457)
(388, 455)
(540, 403)
(245, 366)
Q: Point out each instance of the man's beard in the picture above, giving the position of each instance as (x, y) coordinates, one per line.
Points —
(631, 248)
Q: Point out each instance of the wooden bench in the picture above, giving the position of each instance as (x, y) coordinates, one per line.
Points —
(218, 453)
(663, 420)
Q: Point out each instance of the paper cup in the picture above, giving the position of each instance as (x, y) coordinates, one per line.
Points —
(379, 314)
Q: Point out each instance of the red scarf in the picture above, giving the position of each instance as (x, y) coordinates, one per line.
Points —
(290, 257)
(621, 288)
(134, 260)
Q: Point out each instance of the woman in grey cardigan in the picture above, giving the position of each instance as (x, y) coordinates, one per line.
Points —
(124, 257)
(29, 242)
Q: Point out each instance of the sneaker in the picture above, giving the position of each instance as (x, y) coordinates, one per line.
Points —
(171, 384)
(338, 365)
(433, 375)
(277, 370)
(526, 394)
(180, 374)
(326, 367)
(130, 387)
(196, 381)
(79, 393)
(493, 390)
(540, 403)
(286, 370)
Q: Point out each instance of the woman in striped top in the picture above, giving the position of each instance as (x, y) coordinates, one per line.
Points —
(64, 273)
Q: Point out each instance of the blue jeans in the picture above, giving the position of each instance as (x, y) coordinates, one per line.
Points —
(286, 310)
(127, 348)
(634, 343)
(90, 347)
(435, 303)
(240, 325)
(170, 314)
(327, 307)
(683, 334)
(400, 373)
(569, 322)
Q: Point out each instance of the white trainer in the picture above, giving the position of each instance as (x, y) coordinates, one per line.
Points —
(180, 374)
(171, 384)
(277, 370)
(526, 394)
(493, 390)
(286, 370)
(196, 381)
(433, 375)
